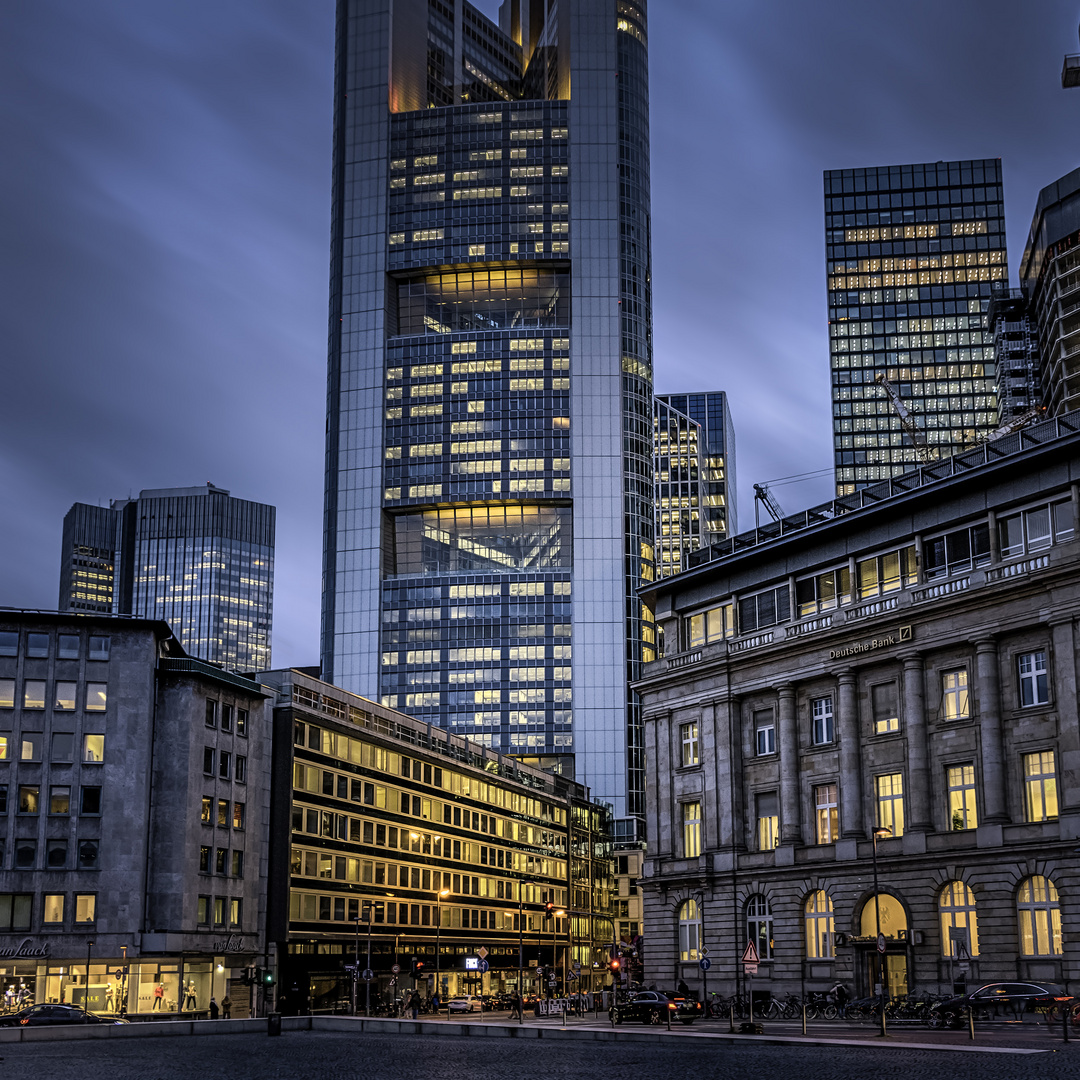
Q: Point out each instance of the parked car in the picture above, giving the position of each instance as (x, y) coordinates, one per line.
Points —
(686, 1005)
(43, 1015)
(462, 1004)
(997, 1001)
(651, 1007)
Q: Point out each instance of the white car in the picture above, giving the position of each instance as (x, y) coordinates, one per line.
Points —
(461, 1004)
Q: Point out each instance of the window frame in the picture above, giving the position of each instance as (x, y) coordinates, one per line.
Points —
(961, 692)
(1051, 906)
(690, 745)
(1036, 680)
(692, 828)
(831, 810)
(761, 726)
(890, 800)
(963, 908)
(755, 921)
(823, 722)
(823, 943)
(962, 796)
(1046, 784)
(688, 919)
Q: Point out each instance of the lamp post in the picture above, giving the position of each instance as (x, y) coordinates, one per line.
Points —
(86, 992)
(367, 982)
(881, 830)
(555, 916)
(522, 882)
(123, 981)
(438, 942)
(356, 964)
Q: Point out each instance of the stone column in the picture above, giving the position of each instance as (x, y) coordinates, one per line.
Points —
(851, 802)
(988, 688)
(915, 726)
(790, 818)
(721, 795)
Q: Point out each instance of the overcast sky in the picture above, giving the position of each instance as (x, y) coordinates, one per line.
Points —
(164, 224)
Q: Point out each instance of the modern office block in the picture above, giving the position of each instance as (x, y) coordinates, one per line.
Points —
(914, 253)
(678, 470)
(1048, 274)
(489, 437)
(1016, 355)
(195, 557)
(720, 512)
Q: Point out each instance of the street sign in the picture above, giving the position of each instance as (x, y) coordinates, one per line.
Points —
(704, 963)
(577, 965)
(750, 954)
(482, 965)
(481, 952)
(703, 951)
(351, 967)
(367, 975)
(396, 969)
(881, 943)
(118, 973)
(749, 969)
(572, 976)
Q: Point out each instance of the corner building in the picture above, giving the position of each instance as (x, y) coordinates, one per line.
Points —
(489, 436)
(914, 254)
(901, 659)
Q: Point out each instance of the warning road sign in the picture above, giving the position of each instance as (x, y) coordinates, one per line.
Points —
(750, 954)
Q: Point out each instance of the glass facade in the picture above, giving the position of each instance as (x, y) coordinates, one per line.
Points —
(914, 255)
(489, 448)
(709, 409)
(678, 470)
(195, 557)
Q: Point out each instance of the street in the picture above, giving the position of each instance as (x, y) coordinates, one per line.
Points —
(334, 1056)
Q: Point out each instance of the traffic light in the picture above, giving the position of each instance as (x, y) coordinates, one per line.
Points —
(417, 968)
(268, 978)
(249, 975)
(615, 964)
(549, 907)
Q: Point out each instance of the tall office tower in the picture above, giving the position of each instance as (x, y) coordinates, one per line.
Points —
(489, 435)
(195, 557)
(678, 468)
(1016, 354)
(1049, 275)
(719, 505)
(914, 253)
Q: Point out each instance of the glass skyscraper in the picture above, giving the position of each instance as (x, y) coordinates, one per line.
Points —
(195, 557)
(914, 255)
(679, 466)
(489, 436)
(709, 409)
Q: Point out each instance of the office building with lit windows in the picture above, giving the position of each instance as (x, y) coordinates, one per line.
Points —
(678, 468)
(709, 409)
(488, 513)
(134, 805)
(895, 667)
(194, 557)
(395, 835)
(914, 253)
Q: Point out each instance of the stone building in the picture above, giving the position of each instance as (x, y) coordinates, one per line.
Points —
(393, 834)
(900, 663)
(134, 801)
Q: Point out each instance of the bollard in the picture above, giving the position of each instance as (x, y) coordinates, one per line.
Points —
(564, 1014)
(804, 1017)
(731, 1014)
(273, 1023)
(669, 1012)
(971, 1023)
(1065, 1021)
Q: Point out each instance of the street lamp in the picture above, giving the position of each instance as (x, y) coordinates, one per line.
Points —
(555, 916)
(86, 992)
(522, 882)
(368, 913)
(880, 831)
(438, 941)
(356, 964)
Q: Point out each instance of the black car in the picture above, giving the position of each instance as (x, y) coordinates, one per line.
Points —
(998, 1001)
(687, 1008)
(651, 1007)
(43, 1015)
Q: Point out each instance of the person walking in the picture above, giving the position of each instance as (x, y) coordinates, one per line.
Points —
(435, 1003)
(226, 1007)
(515, 1006)
(414, 1005)
(213, 1009)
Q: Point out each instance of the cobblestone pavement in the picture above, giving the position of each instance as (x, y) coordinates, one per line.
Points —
(334, 1056)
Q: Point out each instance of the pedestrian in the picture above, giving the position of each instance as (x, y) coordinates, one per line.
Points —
(226, 1007)
(213, 1009)
(435, 1003)
(414, 1004)
(515, 1006)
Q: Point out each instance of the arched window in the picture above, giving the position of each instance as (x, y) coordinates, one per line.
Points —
(1040, 917)
(759, 925)
(689, 930)
(819, 925)
(885, 910)
(958, 923)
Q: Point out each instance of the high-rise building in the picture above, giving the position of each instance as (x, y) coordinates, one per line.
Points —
(489, 436)
(914, 253)
(709, 408)
(195, 557)
(1049, 275)
(678, 468)
(1016, 355)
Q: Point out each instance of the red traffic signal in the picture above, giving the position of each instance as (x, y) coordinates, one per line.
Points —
(549, 907)
(615, 965)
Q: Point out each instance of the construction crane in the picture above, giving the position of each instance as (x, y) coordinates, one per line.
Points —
(907, 421)
(1015, 424)
(762, 495)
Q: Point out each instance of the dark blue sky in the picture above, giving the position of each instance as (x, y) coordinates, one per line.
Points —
(164, 219)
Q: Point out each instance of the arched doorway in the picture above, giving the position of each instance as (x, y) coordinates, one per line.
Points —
(891, 967)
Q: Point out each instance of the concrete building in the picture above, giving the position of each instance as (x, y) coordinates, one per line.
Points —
(488, 515)
(134, 800)
(195, 557)
(914, 253)
(900, 663)
(710, 410)
(1048, 275)
(394, 835)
